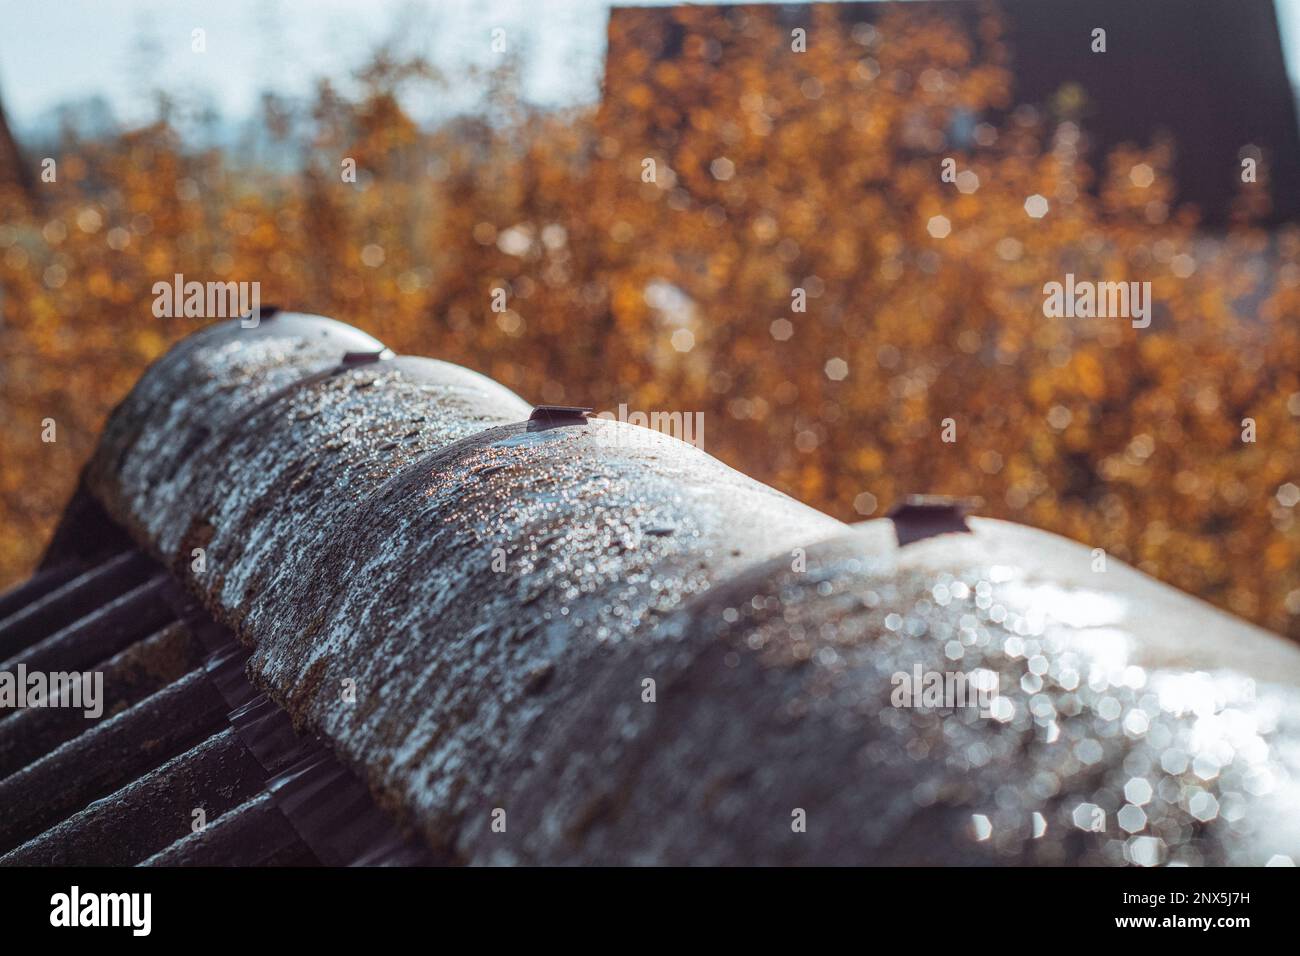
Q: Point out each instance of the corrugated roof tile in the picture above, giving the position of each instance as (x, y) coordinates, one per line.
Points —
(625, 649)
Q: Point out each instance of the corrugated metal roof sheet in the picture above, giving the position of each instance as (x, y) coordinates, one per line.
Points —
(181, 730)
(579, 641)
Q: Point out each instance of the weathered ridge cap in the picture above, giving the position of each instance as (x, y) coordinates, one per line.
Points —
(641, 655)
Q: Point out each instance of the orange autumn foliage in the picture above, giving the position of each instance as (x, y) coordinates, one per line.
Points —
(819, 173)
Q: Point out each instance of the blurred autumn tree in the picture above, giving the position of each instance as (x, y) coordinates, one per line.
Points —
(774, 173)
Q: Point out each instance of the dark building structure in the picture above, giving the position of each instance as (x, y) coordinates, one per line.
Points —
(13, 165)
(1209, 74)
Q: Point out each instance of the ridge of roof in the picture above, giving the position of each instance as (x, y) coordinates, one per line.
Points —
(576, 640)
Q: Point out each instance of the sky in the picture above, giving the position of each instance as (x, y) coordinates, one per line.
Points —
(56, 51)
